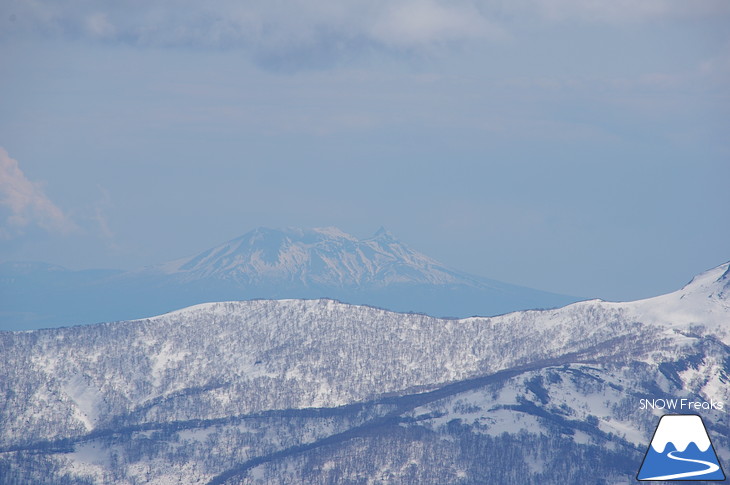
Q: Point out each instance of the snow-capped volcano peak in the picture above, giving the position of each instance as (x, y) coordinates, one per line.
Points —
(320, 256)
(334, 232)
(382, 234)
(273, 263)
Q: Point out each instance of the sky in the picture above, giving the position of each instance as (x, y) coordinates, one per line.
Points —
(573, 146)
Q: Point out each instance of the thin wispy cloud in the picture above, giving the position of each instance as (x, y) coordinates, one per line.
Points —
(25, 204)
(101, 221)
(318, 32)
(619, 11)
(420, 23)
(260, 25)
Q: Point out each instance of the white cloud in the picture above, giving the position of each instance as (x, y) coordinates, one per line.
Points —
(98, 25)
(623, 10)
(26, 202)
(420, 22)
(320, 31)
(258, 22)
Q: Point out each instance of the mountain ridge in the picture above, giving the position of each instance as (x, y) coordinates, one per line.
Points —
(246, 390)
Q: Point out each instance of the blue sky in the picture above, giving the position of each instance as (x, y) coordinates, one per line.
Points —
(572, 146)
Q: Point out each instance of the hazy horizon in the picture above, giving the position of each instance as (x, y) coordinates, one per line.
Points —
(571, 147)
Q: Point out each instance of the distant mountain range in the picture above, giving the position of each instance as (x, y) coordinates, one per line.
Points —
(264, 263)
(319, 392)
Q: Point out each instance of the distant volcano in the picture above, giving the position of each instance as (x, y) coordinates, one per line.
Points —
(262, 264)
(320, 257)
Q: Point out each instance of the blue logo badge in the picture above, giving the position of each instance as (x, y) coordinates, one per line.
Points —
(680, 450)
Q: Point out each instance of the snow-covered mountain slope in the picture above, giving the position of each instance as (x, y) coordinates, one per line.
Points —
(265, 263)
(252, 388)
(326, 262)
(278, 354)
(320, 256)
(703, 305)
